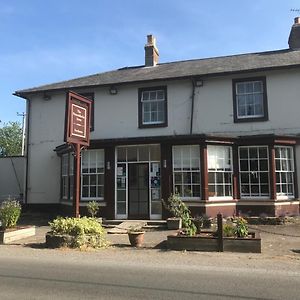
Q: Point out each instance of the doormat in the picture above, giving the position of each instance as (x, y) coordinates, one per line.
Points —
(125, 226)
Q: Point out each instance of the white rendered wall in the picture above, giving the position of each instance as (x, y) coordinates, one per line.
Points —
(117, 117)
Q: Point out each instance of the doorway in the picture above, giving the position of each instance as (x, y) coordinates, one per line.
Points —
(138, 191)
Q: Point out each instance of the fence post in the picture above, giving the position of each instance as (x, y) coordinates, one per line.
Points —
(220, 231)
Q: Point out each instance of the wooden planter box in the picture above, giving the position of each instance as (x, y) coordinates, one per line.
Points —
(58, 241)
(210, 243)
(174, 223)
(11, 235)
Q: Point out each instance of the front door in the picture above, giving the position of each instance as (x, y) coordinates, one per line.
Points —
(138, 191)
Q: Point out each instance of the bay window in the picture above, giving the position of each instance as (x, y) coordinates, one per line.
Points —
(219, 171)
(284, 167)
(92, 175)
(186, 171)
(254, 171)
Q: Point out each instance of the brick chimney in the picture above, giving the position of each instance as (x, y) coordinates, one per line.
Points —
(294, 38)
(151, 52)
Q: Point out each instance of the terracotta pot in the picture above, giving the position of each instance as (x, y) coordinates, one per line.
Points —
(136, 238)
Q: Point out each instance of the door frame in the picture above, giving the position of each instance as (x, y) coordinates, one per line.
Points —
(147, 216)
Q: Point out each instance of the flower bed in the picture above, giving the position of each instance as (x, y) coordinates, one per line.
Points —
(207, 241)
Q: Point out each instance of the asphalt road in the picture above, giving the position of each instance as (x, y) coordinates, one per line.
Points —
(119, 274)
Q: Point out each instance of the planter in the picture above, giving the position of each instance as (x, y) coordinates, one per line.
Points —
(136, 238)
(174, 223)
(14, 234)
(58, 240)
(207, 242)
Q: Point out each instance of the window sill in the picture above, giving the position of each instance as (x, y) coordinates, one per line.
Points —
(155, 125)
(252, 119)
(285, 197)
(220, 198)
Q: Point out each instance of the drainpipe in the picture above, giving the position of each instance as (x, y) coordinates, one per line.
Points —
(192, 106)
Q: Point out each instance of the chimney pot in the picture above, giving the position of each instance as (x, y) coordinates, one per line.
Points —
(151, 52)
(297, 20)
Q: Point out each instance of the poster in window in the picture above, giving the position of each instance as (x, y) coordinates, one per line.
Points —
(155, 194)
(155, 182)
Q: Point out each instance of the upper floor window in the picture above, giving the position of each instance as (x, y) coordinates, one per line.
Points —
(250, 99)
(153, 107)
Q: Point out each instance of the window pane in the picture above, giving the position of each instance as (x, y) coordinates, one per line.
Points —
(121, 154)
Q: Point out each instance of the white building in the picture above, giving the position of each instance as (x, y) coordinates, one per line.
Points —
(223, 132)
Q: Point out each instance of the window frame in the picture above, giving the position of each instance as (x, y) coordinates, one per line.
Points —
(89, 174)
(140, 107)
(67, 178)
(280, 195)
(265, 116)
(222, 171)
(190, 172)
(269, 161)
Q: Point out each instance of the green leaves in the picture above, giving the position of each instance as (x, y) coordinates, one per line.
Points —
(10, 211)
(86, 232)
(93, 208)
(178, 208)
(11, 139)
(241, 227)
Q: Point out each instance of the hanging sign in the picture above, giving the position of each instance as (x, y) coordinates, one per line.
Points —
(78, 114)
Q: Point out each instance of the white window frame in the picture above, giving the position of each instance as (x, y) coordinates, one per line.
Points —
(261, 195)
(151, 103)
(190, 171)
(284, 162)
(99, 164)
(213, 158)
(65, 191)
(251, 97)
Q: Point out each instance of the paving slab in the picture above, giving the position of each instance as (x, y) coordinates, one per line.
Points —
(125, 226)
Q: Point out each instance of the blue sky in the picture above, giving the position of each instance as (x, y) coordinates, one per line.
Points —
(52, 40)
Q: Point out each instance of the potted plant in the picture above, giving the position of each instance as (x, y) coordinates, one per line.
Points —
(136, 236)
(93, 208)
(176, 206)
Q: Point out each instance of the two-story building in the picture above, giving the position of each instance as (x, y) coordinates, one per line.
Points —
(222, 132)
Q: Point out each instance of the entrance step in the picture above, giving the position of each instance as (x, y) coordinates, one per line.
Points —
(117, 226)
(125, 226)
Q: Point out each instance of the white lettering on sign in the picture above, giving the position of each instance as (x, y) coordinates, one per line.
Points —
(78, 121)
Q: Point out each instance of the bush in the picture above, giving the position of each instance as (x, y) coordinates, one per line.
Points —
(93, 208)
(177, 207)
(10, 211)
(228, 230)
(241, 227)
(86, 232)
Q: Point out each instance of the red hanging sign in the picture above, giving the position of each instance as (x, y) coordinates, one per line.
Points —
(78, 118)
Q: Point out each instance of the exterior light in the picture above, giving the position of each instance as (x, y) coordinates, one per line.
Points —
(113, 90)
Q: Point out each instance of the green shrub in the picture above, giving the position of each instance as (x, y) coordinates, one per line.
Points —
(86, 232)
(228, 230)
(178, 208)
(10, 211)
(241, 227)
(93, 208)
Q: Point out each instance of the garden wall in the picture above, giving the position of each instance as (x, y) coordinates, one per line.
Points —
(12, 173)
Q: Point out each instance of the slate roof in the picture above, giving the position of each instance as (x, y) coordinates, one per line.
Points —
(181, 69)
